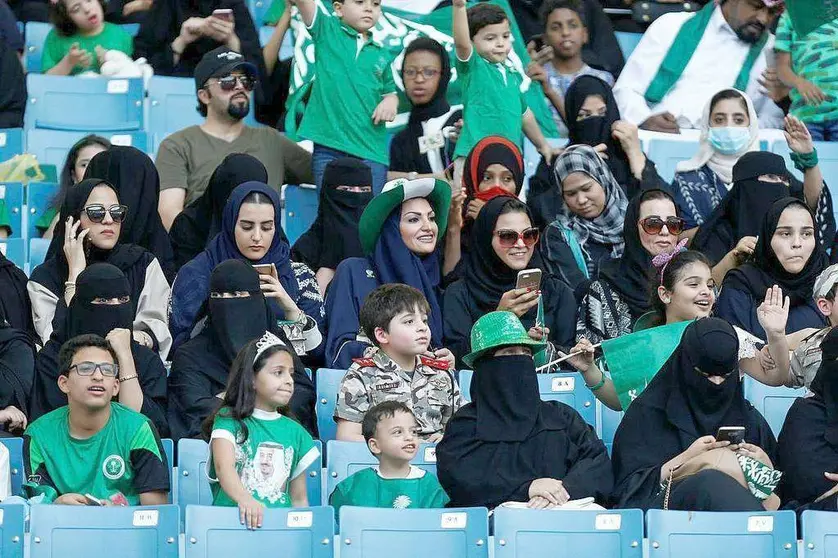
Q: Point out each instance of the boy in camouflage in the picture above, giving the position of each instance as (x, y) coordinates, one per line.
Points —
(399, 367)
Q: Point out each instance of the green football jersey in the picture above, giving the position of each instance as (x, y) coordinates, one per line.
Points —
(367, 488)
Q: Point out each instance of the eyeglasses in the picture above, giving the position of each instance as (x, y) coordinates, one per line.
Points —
(654, 224)
(87, 368)
(228, 83)
(96, 212)
(508, 238)
(427, 73)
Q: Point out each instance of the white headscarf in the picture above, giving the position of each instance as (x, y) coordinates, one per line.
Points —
(719, 163)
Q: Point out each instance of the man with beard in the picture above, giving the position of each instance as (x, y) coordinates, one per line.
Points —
(186, 159)
(685, 58)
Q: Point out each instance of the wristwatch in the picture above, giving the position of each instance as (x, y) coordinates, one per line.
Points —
(412, 175)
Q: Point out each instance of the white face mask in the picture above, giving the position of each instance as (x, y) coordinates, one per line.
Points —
(729, 140)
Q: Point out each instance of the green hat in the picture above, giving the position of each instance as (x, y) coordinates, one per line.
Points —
(396, 192)
(496, 330)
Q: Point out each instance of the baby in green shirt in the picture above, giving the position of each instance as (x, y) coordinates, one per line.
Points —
(80, 38)
(390, 430)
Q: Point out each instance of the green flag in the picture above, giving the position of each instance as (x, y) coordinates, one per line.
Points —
(634, 359)
(395, 30)
(808, 15)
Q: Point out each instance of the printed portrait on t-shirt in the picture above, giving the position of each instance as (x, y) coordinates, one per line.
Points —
(267, 474)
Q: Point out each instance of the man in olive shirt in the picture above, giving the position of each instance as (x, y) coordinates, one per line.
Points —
(186, 159)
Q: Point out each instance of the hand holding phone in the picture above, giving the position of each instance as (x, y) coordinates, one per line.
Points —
(529, 279)
(266, 269)
(223, 13)
(733, 434)
(93, 501)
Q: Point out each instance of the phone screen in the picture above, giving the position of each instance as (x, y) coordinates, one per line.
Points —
(733, 434)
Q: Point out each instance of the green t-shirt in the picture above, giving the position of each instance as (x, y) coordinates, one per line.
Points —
(5, 220)
(126, 457)
(112, 37)
(493, 102)
(813, 57)
(277, 451)
(367, 488)
(353, 75)
(45, 220)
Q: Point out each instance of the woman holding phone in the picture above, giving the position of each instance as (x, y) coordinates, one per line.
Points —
(89, 229)
(250, 231)
(503, 249)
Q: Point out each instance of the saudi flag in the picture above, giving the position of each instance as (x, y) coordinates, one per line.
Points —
(401, 22)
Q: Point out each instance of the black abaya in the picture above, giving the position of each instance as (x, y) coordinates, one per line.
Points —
(17, 364)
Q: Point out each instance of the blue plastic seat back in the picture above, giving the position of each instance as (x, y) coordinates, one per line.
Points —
(300, 210)
(628, 42)
(54, 103)
(609, 421)
(38, 248)
(410, 533)
(521, 533)
(15, 250)
(216, 532)
(327, 381)
(12, 195)
(772, 402)
(18, 475)
(11, 143)
(347, 458)
(681, 534)
(34, 37)
(11, 531)
(258, 10)
(820, 534)
(666, 154)
(39, 200)
(51, 146)
(103, 532)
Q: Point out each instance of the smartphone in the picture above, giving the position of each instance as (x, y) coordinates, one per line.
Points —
(93, 501)
(528, 279)
(266, 269)
(538, 40)
(223, 13)
(733, 434)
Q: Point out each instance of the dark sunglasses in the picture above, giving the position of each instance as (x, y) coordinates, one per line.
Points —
(508, 238)
(654, 224)
(87, 368)
(96, 212)
(228, 83)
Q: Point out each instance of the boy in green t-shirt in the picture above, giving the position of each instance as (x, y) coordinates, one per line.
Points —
(391, 433)
(354, 93)
(493, 91)
(93, 451)
(809, 65)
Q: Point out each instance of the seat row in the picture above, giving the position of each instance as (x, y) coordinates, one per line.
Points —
(152, 532)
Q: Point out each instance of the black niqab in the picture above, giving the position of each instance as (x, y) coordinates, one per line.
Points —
(106, 281)
(15, 309)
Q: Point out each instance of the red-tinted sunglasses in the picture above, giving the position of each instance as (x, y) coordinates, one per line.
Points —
(508, 238)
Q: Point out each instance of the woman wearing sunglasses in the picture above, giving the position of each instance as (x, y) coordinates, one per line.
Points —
(503, 243)
(89, 226)
(588, 230)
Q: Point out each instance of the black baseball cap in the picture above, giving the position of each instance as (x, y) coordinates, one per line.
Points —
(220, 62)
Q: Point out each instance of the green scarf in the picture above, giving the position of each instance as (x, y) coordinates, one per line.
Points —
(682, 50)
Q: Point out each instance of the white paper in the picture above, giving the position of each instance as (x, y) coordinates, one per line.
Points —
(118, 86)
(563, 384)
(300, 519)
(430, 455)
(761, 524)
(146, 518)
(454, 520)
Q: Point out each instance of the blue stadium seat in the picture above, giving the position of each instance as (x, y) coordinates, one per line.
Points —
(567, 387)
(608, 422)
(37, 251)
(12, 195)
(103, 532)
(258, 9)
(327, 381)
(34, 37)
(820, 534)
(300, 210)
(193, 487)
(666, 154)
(39, 198)
(628, 42)
(682, 534)
(289, 533)
(286, 49)
(384, 533)
(827, 157)
(15, 447)
(51, 146)
(15, 250)
(169, 450)
(567, 534)
(11, 143)
(11, 531)
(772, 402)
(347, 458)
(54, 103)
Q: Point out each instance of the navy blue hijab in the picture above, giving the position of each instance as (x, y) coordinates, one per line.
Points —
(395, 263)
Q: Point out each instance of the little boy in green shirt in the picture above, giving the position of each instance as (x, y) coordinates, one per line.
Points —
(390, 430)
(493, 99)
(354, 93)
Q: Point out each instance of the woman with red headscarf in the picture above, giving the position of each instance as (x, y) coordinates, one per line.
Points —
(494, 168)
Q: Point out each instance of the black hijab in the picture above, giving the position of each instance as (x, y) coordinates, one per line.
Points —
(629, 276)
(740, 212)
(201, 220)
(333, 237)
(137, 183)
(53, 272)
(825, 385)
(766, 270)
(596, 129)
(15, 309)
(486, 276)
(17, 367)
(101, 280)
